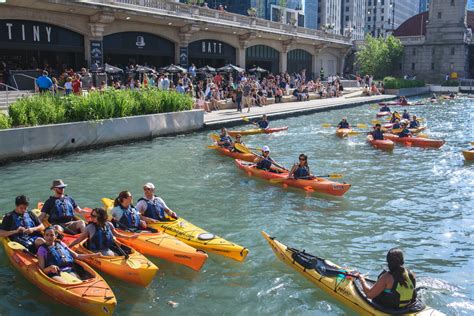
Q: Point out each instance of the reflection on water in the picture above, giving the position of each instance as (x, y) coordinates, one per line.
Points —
(417, 199)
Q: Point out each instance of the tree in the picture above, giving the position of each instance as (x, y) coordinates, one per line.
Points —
(379, 56)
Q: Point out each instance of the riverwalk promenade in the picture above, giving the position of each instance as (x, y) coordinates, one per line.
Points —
(230, 117)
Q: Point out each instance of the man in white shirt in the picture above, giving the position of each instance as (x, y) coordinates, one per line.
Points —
(152, 206)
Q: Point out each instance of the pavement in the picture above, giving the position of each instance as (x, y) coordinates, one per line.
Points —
(231, 117)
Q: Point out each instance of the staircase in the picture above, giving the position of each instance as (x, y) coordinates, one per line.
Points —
(10, 96)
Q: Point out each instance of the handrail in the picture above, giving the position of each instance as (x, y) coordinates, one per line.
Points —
(8, 86)
(26, 76)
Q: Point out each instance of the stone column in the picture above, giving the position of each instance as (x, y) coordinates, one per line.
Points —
(241, 54)
(98, 23)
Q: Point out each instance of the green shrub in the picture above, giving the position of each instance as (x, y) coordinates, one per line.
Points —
(450, 83)
(5, 121)
(398, 83)
(48, 109)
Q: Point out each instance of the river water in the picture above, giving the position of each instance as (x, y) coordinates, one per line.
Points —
(417, 199)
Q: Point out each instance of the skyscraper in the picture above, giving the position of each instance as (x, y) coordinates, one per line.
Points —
(310, 8)
(383, 16)
(470, 5)
(424, 5)
(353, 18)
(329, 16)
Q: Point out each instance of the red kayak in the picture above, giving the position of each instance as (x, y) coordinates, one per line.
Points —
(320, 185)
(385, 144)
(382, 114)
(236, 154)
(415, 141)
(401, 104)
(258, 131)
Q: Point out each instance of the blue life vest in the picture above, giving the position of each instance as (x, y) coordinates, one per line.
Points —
(24, 220)
(404, 133)
(385, 109)
(103, 238)
(226, 140)
(301, 172)
(130, 218)
(63, 208)
(265, 164)
(377, 135)
(406, 115)
(343, 125)
(262, 124)
(396, 126)
(58, 255)
(414, 124)
(153, 209)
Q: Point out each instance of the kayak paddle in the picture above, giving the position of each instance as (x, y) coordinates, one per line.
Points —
(212, 146)
(215, 137)
(246, 119)
(246, 150)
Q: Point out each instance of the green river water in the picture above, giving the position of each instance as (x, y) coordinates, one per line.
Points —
(420, 200)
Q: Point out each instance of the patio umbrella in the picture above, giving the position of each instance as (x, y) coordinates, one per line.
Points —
(230, 68)
(144, 69)
(112, 69)
(173, 69)
(207, 69)
(258, 69)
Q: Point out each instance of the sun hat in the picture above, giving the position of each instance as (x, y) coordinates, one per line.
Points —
(149, 185)
(58, 183)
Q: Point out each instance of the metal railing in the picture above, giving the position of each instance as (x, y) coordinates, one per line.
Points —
(22, 75)
(203, 14)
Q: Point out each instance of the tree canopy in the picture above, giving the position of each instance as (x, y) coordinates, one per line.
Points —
(379, 56)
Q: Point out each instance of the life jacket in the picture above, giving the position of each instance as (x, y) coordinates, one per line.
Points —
(265, 164)
(301, 172)
(130, 218)
(406, 115)
(404, 133)
(58, 255)
(262, 124)
(396, 126)
(102, 239)
(226, 140)
(24, 220)
(377, 134)
(343, 125)
(62, 210)
(398, 296)
(385, 109)
(414, 124)
(153, 209)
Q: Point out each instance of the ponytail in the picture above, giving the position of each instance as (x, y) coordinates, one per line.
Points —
(395, 265)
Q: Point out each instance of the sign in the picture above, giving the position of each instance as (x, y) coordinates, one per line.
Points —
(140, 43)
(208, 47)
(97, 53)
(211, 49)
(183, 57)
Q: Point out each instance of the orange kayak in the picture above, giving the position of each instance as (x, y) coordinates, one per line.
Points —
(254, 131)
(343, 132)
(468, 154)
(90, 294)
(385, 144)
(415, 141)
(166, 247)
(135, 269)
(320, 185)
(236, 154)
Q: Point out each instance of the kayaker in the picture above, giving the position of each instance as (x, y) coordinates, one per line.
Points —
(125, 215)
(301, 170)
(394, 288)
(395, 116)
(405, 115)
(225, 140)
(385, 108)
(55, 258)
(451, 95)
(265, 162)
(152, 206)
(396, 124)
(22, 226)
(343, 123)
(377, 133)
(238, 140)
(414, 122)
(263, 123)
(403, 100)
(59, 210)
(100, 234)
(405, 132)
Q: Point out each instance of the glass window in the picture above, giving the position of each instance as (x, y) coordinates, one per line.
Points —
(439, 15)
(412, 66)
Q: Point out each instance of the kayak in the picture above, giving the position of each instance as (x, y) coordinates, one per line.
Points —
(343, 132)
(468, 154)
(90, 294)
(135, 269)
(415, 141)
(254, 131)
(339, 283)
(165, 247)
(412, 130)
(385, 144)
(399, 103)
(320, 185)
(236, 154)
(196, 237)
(382, 114)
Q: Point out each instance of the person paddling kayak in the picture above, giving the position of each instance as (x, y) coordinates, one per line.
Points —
(152, 206)
(344, 123)
(405, 115)
(265, 162)
(405, 131)
(396, 124)
(403, 100)
(263, 123)
(225, 140)
(377, 133)
(414, 122)
(238, 140)
(385, 108)
(395, 116)
(301, 170)
(394, 288)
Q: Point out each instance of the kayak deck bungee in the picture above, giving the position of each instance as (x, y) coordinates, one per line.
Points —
(136, 269)
(385, 144)
(468, 154)
(91, 294)
(236, 154)
(196, 237)
(415, 141)
(320, 185)
(254, 131)
(338, 282)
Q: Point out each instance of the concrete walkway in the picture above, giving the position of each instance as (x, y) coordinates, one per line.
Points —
(221, 118)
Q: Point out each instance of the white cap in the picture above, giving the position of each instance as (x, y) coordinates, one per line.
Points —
(266, 148)
(149, 185)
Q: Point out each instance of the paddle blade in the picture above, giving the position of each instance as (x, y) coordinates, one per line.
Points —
(215, 137)
(335, 176)
(245, 119)
(375, 122)
(361, 125)
(326, 125)
(242, 148)
(422, 136)
(212, 146)
(16, 246)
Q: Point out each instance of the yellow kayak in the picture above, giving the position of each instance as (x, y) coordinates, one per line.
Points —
(195, 237)
(468, 154)
(339, 283)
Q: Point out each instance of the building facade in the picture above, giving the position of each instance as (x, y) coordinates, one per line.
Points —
(384, 16)
(353, 14)
(470, 5)
(311, 13)
(329, 16)
(424, 5)
(437, 42)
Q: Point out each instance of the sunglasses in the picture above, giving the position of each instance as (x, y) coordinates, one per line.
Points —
(302, 159)
(94, 215)
(61, 189)
(147, 189)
